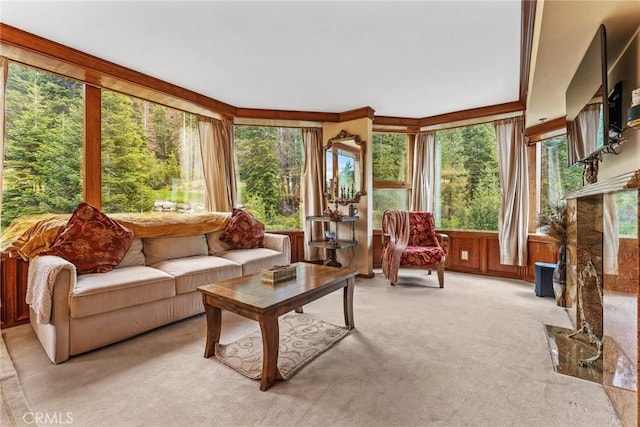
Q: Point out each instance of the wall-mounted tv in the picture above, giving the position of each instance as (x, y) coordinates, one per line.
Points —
(587, 120)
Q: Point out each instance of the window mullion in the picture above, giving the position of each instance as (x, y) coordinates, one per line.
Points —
(92, 164)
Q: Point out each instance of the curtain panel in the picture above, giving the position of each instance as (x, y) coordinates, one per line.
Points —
(610, 234)
(312, 195)
(4, 69)
(514, 188)
(424, 172)
(583, 132)
(216, 147)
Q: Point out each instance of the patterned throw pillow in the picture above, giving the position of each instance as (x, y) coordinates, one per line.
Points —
(91, 241)
(243, 231)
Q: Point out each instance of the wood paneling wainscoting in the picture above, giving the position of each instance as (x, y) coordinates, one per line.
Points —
(13, 291)
(483, 257)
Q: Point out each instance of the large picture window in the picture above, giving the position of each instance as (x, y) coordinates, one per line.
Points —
(151, 158)
(391, 184)
(556, 178)
(467, 186)
(43, 143)
(268, 168)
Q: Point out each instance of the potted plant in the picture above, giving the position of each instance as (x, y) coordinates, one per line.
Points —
(554, 222)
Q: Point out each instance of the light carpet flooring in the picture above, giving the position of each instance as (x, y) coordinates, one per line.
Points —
(472, 354)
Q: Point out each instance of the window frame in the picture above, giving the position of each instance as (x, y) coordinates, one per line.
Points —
(398, 185)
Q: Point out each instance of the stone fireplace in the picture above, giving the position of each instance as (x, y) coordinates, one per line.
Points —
(603, 283)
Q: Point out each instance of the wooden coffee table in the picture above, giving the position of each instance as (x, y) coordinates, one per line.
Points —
(251, 297)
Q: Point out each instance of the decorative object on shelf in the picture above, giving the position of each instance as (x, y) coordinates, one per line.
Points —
(554, 223)
(330, 235)
(590, 172)
(588, 273)
(353, 210)
(332, 213)
(279, 273)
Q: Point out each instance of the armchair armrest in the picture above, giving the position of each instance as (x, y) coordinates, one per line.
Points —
(442, 238)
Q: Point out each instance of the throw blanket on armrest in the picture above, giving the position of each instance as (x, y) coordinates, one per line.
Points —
(396, 224)
(43, 271)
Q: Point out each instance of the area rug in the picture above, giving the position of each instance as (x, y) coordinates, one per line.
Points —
(302, 339)
(14, 409)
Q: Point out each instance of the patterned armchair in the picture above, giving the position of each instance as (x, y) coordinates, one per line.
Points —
(410, 240)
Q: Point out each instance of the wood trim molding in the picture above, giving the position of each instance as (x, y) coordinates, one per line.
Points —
(30, 49)
(266, 114)
(472, 113)
(545, 130)
(528, 18)
(308, 116)
(359, 113)
(392, 184)
(414, 125)
(397, 121)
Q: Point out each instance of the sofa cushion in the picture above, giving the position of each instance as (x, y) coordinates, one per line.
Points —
(243, 231)
(122, 287)
(215, 244)
(134, 255)
(192, 272)
(163, 248)
(91, 241)
(254, 260)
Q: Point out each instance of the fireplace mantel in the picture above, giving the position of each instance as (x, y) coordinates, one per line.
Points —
(626, 181)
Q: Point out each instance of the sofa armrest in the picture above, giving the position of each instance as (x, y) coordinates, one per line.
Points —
(54, 335)
(278, 242)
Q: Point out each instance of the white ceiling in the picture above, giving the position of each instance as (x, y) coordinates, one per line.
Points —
(406, 59)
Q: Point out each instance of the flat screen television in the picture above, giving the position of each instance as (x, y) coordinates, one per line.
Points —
(587, 113)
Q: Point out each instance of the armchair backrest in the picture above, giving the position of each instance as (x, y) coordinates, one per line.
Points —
(422, 229)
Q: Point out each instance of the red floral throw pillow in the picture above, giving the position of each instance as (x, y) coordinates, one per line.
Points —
(243, 231)
(91, 241)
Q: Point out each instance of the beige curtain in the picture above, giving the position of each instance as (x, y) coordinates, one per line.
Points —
(312, 186)
(424, 172)
(583, 133)
(4, 71)
(514, 189)
(216, 146)
(610, 234)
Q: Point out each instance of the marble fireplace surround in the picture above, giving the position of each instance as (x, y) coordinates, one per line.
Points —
(603, 282)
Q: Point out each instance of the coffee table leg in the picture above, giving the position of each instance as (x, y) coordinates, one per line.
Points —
(214, 324)
(270, 347)
(348, 303)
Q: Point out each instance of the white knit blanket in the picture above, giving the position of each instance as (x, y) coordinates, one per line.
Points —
(43, 271)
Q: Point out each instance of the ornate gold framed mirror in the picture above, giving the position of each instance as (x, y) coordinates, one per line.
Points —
(344, 169)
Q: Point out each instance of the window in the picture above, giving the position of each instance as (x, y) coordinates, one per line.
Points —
(556, 179)
(43, 143)
(390, 174)
(467, 195)
(627, 213)
(150, 157)
(269, 164)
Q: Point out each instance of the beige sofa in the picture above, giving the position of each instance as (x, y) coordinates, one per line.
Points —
(155, 284)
